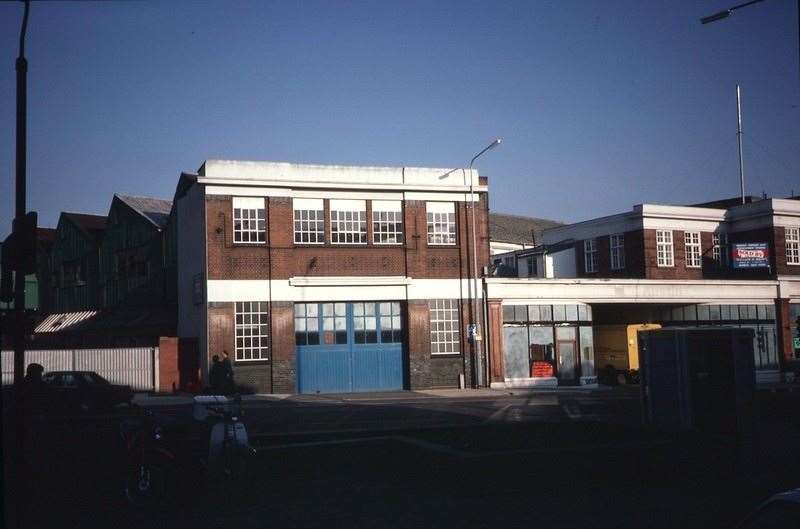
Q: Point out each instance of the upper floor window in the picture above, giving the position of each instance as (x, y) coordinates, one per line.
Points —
(617, 244)
(590, 255)
(693, 249)
(387, 222)
(309, 221)
(793, 246)
(530, 263)
(441, 222)
(348, 222)
(664, 255)
(719, 249)
(249, 220)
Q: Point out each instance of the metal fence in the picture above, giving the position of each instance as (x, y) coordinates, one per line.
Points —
(133, 366)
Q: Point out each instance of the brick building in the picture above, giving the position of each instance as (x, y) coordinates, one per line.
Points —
(656, 265)
(330, 278)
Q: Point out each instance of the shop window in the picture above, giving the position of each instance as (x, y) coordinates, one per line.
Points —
(249, 220)
(252, 331)
(617, 243)
(541, 350)
(664, 253)
(546, 312)
(693, 249)
(677, 313)
(690, 313)
(508, 313)
(703, 312)
(441, 223)
(348, 222)
(587, 351)
(306, 323)
(387, 222)
(714, 312)
(572, 313)
(766, 312)
(521, 313)
(533, 313)
(309, 221)
(726, 312)
(444, 326)
(559, 313)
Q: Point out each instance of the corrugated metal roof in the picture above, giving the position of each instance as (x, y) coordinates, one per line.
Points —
(155, 210)
(62, 321)
(518, 229)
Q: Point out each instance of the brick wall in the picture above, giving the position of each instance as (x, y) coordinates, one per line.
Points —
(168, 368)
(633, 247)
(414, 258)
(284, 371)
(430, 371)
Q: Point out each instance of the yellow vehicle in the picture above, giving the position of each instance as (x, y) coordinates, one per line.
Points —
(618, 345)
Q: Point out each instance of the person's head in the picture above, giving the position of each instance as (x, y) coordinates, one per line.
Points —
(215, 358)
(34, 371)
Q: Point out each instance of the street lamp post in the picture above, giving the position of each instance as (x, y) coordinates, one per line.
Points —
(474, 325)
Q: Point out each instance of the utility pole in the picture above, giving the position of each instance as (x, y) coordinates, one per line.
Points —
(20, 473)
(739, 138)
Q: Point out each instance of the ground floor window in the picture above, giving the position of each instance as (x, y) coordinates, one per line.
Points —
(548, 341)
(794, 321)
(445, 335)
(252, 330)
(759, 318)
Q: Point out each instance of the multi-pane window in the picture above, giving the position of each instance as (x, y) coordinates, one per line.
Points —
(348, 222)
(793, 246)
(664, 255)
(365, 323)
(719, 249)
(530, 263)
(252, 331)
(590, 255)
(309, 221)
(441, 222)
(249, 220)
(693, 251)
(390, 322)
(617, 244)
(444, 326)
(387, 222)
(306, 323)
(334, 323)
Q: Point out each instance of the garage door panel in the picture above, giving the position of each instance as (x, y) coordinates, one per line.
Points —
(324, 370)
(377, 369)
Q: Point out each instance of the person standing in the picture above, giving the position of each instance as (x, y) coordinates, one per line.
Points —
(215, 375)
(228, 384)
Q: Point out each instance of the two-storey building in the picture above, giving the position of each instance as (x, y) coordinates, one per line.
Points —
(331, 278)
(656, 265)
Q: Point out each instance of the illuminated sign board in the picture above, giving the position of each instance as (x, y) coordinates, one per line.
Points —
(750, 255)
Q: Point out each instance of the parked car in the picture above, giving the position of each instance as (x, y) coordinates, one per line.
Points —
(86, 390)
(781, 511)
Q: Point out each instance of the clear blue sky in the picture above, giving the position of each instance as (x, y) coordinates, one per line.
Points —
(601, 105)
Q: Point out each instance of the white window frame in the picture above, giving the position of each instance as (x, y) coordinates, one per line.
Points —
(665, 254)
(387, 222)
(250, 320)
(348, 222)
(719, 248)
(616, 244)
(308, 214)
(590, 255)
(249, 220)
(445, 327)
(441, 222)
(692, 249)
(792, 242)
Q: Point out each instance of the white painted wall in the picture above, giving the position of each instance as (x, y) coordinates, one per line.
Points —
(303, 175)
(562, 264)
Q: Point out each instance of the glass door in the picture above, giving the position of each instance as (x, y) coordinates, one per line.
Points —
(566, 349)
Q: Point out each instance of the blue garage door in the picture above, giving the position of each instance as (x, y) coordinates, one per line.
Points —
(347, 347)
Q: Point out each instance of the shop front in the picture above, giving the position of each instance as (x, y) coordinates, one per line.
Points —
(547, 345)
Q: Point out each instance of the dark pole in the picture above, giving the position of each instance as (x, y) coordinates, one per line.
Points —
(19, 278)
